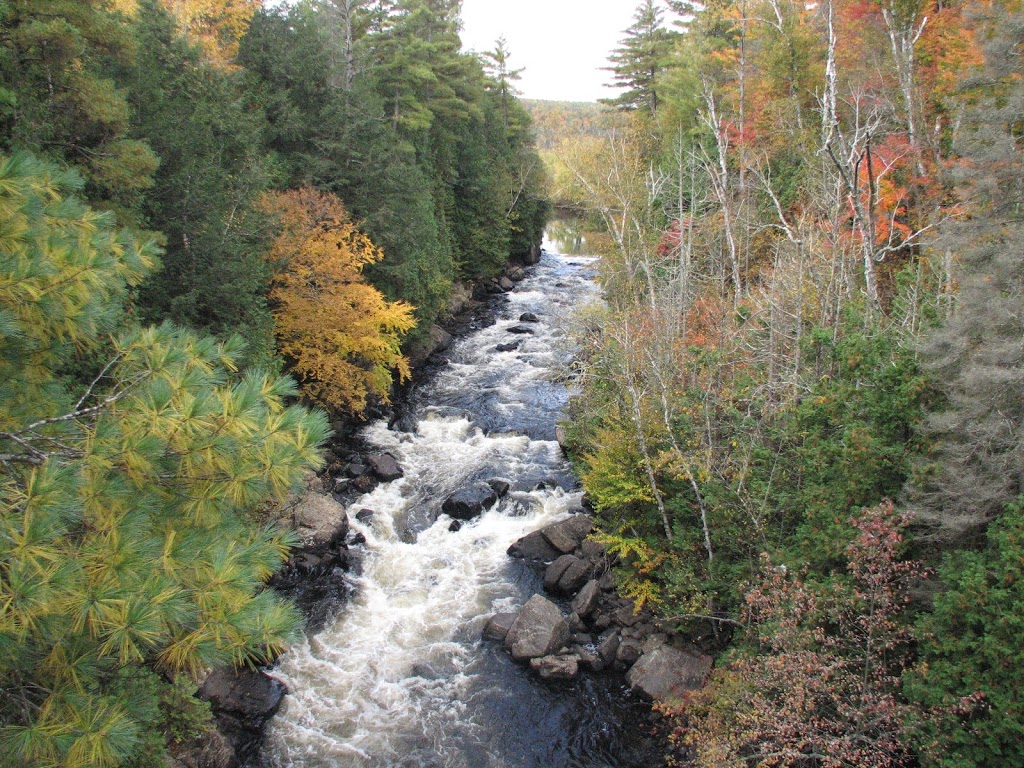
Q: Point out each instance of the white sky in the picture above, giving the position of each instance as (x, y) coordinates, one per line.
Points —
(562, 43)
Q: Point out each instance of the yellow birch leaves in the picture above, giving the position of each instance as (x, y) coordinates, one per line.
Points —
(340, 336)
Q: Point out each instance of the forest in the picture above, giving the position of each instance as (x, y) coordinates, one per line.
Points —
(221, 225)
(801, 414)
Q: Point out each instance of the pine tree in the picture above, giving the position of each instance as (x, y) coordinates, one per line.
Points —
(638, 63)
(125, 544)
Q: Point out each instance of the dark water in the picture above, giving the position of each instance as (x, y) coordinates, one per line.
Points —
(401, 676)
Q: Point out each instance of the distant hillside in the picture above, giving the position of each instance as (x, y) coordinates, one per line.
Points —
(557, 120)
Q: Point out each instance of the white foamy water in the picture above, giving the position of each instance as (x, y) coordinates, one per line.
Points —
(401, 677)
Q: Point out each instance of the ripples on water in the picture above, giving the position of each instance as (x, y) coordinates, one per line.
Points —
(401, 677)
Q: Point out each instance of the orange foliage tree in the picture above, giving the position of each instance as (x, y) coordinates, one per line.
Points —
(342, 338)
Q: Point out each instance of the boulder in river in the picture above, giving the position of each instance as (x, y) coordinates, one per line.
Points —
(498, 625)
(533, 546)
(566, 535)
(384, 467)
(505, 284)
(539, 630)
(512, 346)
(521, 329)
(466, 503)
(528, 317)
(242, 702)
(556, 667)
(668, 673)
(499, 486)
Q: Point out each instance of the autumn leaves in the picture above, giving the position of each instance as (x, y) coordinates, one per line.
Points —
(340, 336)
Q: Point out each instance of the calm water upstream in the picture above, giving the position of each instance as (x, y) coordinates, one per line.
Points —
(401, 678)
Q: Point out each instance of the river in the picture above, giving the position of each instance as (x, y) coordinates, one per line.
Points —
(400, 677)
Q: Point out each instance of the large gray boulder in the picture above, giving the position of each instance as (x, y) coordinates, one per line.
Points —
(539, 630)
(320, 522)
(567, 535)
(533, 546)
(242, 702)
(498, 625)
(668, 673)
(466, 503)
(556, 667)
(566, 575)
(384, 467)
(586, 601)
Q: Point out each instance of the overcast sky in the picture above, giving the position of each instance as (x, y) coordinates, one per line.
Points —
(562, 43)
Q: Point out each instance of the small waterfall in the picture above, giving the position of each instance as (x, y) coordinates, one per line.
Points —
(401, 677)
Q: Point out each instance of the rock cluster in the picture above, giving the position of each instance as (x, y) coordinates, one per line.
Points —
(600, 630)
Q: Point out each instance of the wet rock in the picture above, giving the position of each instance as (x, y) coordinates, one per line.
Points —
(365, 483)
(515, 274)
(574, 577)
(341, 484)
(320, 522)
(512, 346)
(468, 502)
(499, 486)
(528, 317)
(356, 469)
(305, 563)
(608, 647)
(505, 283)
(668, 673)
(560, 437)
(498, 625)
(556, 667)
(586, 601)
(521, 329)
(576, 623)
(567, 535)
(538, 630)
(384, 466)
(242, 702)
(556, 570)
(365, 515)
(629, 651)
(582, 638)
(533, 546)
(455, 527)
(440, 339)
(591, 660)
(356, 539)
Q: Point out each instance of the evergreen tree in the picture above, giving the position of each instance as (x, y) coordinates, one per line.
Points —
(57, 100)
(124, 542)
(977, 357)
(638, 63)
(212, 171)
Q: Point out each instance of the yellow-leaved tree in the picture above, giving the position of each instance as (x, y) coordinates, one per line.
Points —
(341, 337)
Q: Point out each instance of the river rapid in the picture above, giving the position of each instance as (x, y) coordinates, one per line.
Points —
(400, 676)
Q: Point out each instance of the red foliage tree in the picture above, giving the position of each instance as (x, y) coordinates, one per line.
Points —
(821, 686)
